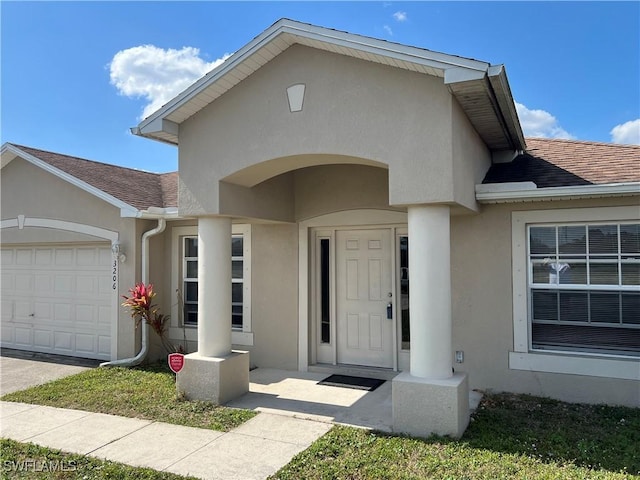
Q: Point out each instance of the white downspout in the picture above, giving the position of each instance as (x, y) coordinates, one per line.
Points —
(144, 348)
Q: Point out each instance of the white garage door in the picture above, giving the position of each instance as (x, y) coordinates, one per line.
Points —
(57, 299)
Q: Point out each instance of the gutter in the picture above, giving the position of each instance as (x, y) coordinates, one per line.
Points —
(528, 192)
(144, 348)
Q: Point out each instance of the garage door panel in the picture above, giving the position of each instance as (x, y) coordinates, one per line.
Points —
(8, 281)
(63, 284)
(58, 299)
(44, 256)
(42, 311)
(7, 257)
(22, 336)
(23, 283)
(42, 338)
(86, 285)
(63, 341)
(6, 332)
(43, 284)
(104, 344)
(23, 257)
(63, 256)
(22, 309)
(85, 343)
(104, 316)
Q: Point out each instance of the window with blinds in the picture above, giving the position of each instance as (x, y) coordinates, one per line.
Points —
(584, 287)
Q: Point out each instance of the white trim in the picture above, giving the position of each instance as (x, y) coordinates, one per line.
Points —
(522, 192)
(297, 32)
(244, 337)
(60, 225)
(625, 369)
(126, 209)
(565, 362)
(360, 217)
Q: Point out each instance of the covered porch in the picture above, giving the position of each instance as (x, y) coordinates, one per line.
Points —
(298, 394)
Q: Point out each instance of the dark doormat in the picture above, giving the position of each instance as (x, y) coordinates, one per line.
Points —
(347, 381)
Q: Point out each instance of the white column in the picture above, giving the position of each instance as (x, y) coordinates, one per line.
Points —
(214, 286)
(430, 297)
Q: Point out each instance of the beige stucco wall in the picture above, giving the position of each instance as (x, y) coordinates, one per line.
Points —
(471, 158)
(334, 188)
(482, 310)
(30, 191)
(274, 299)
(363, 112)
(274, 302)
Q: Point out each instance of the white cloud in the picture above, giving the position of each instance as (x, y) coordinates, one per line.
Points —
(387, 29)
(157, 74)
(400, 16)
(540, 123)
(628, 132)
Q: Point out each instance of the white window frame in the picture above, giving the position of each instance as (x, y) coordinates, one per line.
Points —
(177, 331)
(575, 363)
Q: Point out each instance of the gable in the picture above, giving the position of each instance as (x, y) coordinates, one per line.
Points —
(128, 189)
(482, 90)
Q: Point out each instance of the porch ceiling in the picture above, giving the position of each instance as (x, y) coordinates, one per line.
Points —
(484, 100)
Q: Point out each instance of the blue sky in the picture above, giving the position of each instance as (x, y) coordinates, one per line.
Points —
(76, 75)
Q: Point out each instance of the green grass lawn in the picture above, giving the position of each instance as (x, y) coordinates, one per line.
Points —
(28, 461)
(510, 436)
(146, 392)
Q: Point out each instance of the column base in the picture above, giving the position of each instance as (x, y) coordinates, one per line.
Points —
(214, 379)
(422, 407)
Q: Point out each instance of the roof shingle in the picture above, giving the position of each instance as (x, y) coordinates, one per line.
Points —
(135, 187)
(562, 163)
(547, 163)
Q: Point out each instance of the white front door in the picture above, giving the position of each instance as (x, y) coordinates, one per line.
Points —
(363, 291)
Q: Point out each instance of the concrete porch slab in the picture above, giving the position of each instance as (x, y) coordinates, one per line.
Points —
(297, 394)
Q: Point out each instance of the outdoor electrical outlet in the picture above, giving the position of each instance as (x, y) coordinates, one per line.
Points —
(459, 356)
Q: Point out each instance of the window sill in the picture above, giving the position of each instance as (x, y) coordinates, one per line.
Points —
(622, 368)
(191, 332)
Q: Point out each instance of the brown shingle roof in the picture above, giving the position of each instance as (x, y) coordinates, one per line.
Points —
(559, 163)
(134, 187)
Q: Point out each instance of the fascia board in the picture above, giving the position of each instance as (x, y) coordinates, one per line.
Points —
(497, 75)
(380, 47)
(493, 193)
(101, 194)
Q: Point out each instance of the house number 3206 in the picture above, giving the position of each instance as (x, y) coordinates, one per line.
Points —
(115, 274)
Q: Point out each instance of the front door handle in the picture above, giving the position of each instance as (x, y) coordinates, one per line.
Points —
(389, 311)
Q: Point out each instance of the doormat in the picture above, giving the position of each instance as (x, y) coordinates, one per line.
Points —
(347, 381)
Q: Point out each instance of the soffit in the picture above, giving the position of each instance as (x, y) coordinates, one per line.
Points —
(476, 96)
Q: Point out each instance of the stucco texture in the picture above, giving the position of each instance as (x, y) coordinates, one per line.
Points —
(30, 191)
(355, 112)
(482, 304)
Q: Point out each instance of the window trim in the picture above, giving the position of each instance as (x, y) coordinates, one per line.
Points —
(238, 337)
(576, 363)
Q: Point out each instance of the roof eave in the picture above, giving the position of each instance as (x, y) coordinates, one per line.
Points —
(126, 210)
(155, 126)
(517, 192)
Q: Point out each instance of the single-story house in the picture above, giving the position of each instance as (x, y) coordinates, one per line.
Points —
(341, 201)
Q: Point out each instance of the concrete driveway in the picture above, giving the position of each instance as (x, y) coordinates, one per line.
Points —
(20, 369)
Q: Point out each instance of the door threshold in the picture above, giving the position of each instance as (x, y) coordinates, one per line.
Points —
(354, 370)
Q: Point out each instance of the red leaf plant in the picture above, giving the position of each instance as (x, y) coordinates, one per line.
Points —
(139, 303)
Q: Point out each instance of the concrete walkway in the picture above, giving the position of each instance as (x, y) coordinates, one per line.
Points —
(255, 450)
